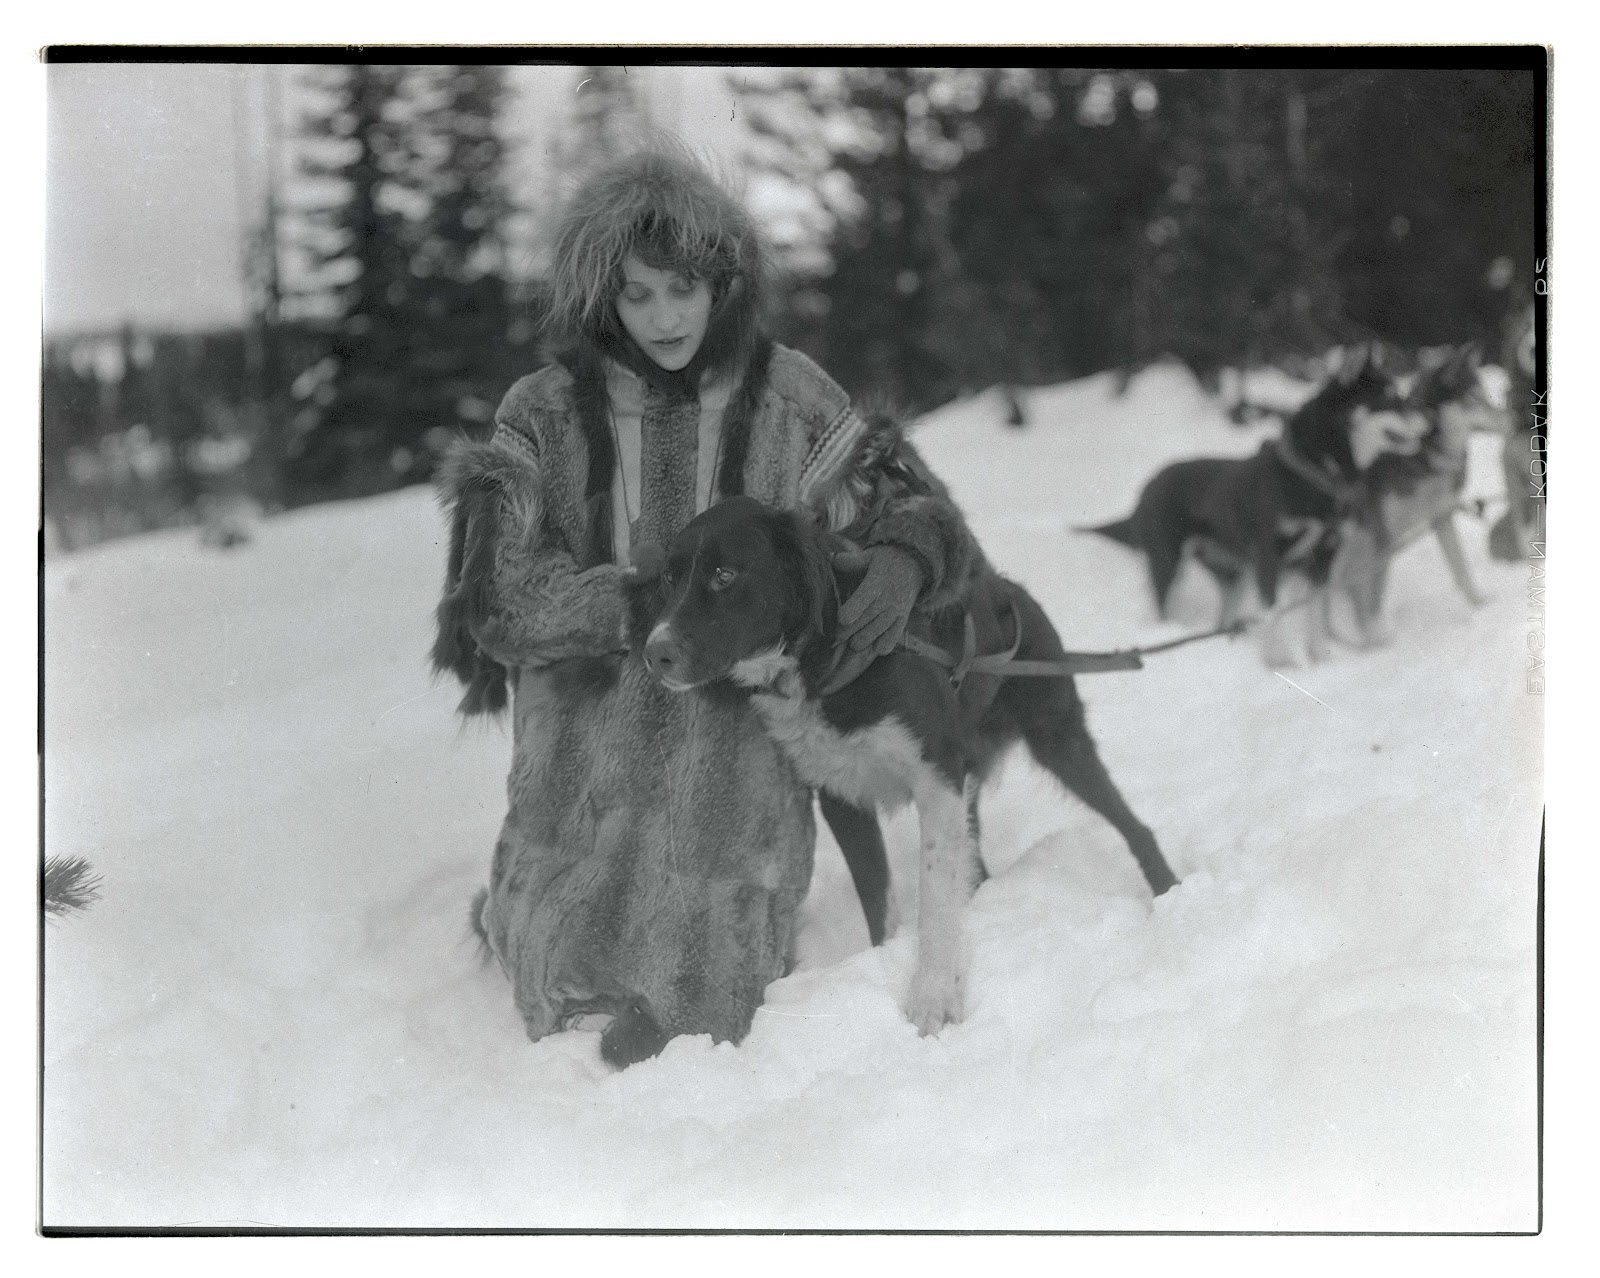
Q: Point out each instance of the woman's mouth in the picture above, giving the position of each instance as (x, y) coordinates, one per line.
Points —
(668, 343)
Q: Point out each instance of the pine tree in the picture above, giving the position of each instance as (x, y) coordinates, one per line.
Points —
(1055, 191)
(871, 132)
(466, 354)
(361, 431)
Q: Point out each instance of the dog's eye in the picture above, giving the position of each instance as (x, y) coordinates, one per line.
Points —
(722, 578)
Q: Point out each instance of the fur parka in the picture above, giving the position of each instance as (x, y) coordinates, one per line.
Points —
(657, 844)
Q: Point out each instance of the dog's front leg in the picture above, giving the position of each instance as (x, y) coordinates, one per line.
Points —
(1450, 542)
(1275, 648)
(1231, 608)
(1319, 623)
(1377, 632)
(1359, 570)
(944, 883)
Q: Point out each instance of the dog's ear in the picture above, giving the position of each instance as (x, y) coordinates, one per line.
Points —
(804, 562)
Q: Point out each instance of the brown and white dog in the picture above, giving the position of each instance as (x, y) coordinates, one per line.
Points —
(745, 604)
(1404, 497)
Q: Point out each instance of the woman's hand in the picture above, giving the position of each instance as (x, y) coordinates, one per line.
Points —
(874, 617)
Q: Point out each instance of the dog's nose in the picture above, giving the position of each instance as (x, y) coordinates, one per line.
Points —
(663, 658)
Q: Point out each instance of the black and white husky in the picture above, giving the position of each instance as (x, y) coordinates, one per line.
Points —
(745, 604)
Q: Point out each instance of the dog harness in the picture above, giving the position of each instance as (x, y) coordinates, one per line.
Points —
(1007, 665)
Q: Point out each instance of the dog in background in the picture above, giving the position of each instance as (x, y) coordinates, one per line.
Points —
(1402, 497)
(1278, 513)
(745, 604)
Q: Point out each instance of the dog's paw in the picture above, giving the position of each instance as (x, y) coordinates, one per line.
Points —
(1280, 657)
(936, 1001)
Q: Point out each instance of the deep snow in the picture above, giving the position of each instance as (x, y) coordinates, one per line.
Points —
(275, 1014)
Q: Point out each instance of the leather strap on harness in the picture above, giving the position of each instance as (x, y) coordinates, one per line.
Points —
(1002, 665)
(1343, 493)
(1006, 665)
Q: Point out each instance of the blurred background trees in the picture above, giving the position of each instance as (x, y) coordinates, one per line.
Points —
(1027, 225)
(408, 258)
(962, 228)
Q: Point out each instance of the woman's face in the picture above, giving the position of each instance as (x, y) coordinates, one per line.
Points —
(664, 312)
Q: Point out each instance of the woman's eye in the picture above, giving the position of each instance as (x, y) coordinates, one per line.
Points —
(634, 294)
(722, 578)
(682, 287)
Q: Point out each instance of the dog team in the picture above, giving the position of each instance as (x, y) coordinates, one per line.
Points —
(709, 591)
(1370, 463)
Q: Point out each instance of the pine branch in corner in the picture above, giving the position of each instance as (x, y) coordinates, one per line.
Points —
(70, 883)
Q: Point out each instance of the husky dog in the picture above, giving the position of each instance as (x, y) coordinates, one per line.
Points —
(1279, 512)
(1403, 497)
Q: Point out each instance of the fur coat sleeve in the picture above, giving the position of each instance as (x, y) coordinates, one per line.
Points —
(514, 594)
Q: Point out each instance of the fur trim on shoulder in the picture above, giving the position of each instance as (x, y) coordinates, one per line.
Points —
(878, 442)
(890, 497)
(490, 491)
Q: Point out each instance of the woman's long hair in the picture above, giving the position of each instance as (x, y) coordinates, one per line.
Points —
(661, 206)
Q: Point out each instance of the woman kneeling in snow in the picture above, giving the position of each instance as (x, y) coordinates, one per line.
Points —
(657, 844)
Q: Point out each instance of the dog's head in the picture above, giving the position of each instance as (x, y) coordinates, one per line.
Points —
(1449, 392)
(741, 591)
(1360, 414)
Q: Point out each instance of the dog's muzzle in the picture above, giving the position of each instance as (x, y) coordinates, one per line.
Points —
(666, 660)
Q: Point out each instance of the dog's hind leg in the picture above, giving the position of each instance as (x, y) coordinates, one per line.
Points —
(1319, 623)
(860, 839)
(1450, 542)
(1165, 560)
(1063, 746)
(1051, 718)
(945, 882)
(1232, 606)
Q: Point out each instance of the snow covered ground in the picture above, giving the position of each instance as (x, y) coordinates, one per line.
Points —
(275, 1014)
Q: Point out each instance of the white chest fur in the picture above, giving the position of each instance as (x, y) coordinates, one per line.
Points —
(879, 764)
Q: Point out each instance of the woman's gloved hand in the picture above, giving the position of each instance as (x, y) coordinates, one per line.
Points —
(873, 619)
